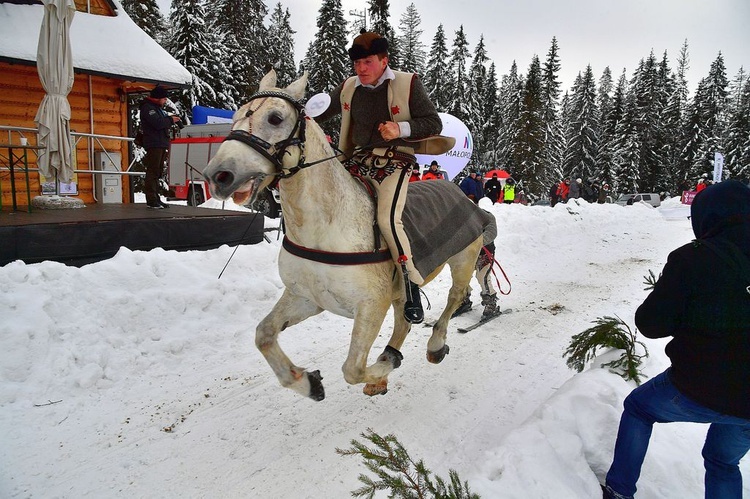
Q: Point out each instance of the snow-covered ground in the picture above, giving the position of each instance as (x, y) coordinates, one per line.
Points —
(138, 376)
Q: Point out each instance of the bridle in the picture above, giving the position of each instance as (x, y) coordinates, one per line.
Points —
(275, 152)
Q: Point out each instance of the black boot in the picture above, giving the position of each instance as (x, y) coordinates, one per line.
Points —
(413, 312)
(464, 307)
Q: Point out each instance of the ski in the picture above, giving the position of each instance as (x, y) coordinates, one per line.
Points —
(483, 321)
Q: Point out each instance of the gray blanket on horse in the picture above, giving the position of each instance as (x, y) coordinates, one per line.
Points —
(440, 221)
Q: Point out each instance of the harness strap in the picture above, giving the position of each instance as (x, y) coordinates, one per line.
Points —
(353, 171)
(331, 258)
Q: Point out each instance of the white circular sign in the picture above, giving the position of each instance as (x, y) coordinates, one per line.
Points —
(454, 160)
(317, 104)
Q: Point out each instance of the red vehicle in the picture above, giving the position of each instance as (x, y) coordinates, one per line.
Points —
(188, 156)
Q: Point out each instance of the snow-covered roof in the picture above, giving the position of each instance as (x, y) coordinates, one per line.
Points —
(110, 46)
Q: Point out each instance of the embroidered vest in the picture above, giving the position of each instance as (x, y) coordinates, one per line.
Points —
(399, 91)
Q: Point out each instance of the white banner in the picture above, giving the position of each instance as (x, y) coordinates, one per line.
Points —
(453, 161)
(718, 166)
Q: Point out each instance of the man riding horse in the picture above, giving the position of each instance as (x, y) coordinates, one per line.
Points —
(381, 110)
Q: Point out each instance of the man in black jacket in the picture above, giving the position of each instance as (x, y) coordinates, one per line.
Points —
(155, 125)
(702, 300)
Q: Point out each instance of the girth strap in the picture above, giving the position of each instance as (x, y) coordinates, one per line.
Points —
(331, 258)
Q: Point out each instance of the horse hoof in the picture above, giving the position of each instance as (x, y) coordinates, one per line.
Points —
(317, 392)
(438, 356)
(391, 355)
(376, 388)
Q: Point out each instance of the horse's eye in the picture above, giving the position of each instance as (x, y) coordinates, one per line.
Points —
(275, 119)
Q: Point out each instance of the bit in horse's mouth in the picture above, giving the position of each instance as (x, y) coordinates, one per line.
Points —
(248, 191)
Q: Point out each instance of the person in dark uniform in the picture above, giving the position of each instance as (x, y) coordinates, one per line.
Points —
(155, 125)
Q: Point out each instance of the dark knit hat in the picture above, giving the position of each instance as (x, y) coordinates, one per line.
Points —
(720, 206)
(368, 43)
(158, 92)
(434, 163)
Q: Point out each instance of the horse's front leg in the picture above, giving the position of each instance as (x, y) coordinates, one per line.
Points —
(368, 320)
(391, 357)
(289, 310)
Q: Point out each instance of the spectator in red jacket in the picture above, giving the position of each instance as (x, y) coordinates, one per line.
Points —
(433, 173)
(563, 190)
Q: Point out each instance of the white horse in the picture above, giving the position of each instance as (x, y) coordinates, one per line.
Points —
(327, 214)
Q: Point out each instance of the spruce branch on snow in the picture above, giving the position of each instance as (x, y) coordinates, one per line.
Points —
(397, 472)
(608, 332)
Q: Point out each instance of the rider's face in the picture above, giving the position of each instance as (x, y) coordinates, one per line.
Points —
(370, 69)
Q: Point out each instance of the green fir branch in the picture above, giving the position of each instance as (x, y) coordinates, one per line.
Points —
(650, 280)
(608, 332)
(396, 472)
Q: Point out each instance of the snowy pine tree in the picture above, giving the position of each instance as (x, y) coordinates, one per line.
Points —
(244, 39)
(281, 46)
(531, 129)
(148, 17)
(459, 106)
(673, 119)
(705, 123)
(604, 151)
(475, 102)
(379, 14)
(198, 50)
(552, 152)
(510, 95)
(327, 60)
(413, 56)
(490, 127)
(582, 135)
(439, 78)
(737, 142)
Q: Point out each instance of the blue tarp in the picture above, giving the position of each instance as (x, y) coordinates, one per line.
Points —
(203, 115)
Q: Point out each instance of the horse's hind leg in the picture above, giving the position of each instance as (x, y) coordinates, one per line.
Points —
(289, 310)
(462, 268)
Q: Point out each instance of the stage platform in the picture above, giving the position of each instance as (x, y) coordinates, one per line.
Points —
(85, 235)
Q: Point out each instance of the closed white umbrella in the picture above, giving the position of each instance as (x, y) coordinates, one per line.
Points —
(54, 62)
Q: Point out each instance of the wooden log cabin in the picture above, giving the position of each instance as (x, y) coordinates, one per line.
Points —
(114, 60)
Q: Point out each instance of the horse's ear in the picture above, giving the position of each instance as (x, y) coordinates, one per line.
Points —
(297, 89)
(268, 81)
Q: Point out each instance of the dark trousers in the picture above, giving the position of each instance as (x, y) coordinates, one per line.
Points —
(659, 401)
(154, 163)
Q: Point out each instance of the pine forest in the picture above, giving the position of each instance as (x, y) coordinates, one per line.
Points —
(640, 132)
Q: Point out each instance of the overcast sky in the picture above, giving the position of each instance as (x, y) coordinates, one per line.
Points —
(614, 33)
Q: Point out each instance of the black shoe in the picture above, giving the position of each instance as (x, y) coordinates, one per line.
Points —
(464, 307)
(413, 312)
(163, 204)
(155, 206)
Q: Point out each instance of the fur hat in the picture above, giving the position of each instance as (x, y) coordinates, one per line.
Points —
(368, 43)
(158, 92)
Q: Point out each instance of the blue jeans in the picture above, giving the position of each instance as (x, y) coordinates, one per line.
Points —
(659, 401)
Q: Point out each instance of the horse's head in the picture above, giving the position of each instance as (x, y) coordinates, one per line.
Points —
(266, 138)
